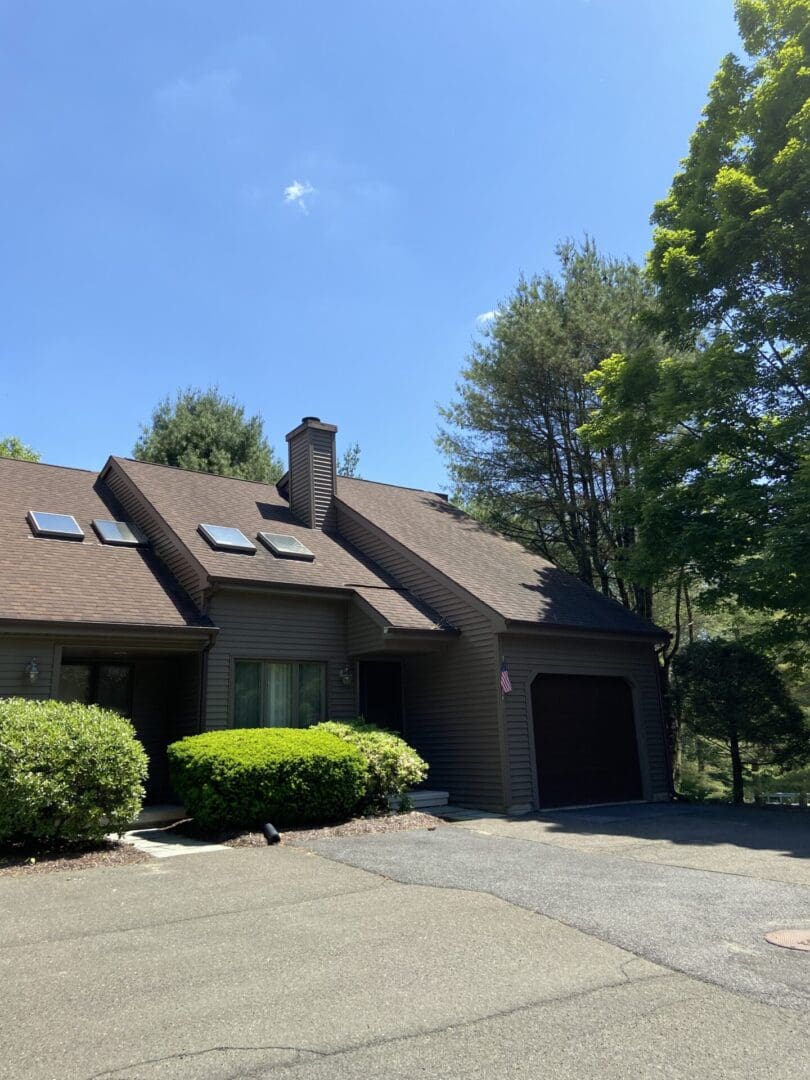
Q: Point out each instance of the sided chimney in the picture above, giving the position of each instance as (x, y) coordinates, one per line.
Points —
(312, 472)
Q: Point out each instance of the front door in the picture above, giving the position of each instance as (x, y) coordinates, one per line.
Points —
(585, 740)
(380, 687)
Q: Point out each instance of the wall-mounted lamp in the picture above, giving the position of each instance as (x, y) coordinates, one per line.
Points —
(346, 675)
(32, 670)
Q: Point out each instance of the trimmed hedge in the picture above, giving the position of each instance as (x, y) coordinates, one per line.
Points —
(68, 772)
(392, 766)
(246, 776)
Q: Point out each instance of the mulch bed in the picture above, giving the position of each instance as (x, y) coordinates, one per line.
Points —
(14, 863)
(299, 834)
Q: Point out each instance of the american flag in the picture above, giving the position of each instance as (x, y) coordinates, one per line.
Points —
(506, 682)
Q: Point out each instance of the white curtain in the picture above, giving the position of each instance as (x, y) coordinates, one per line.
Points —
(278, 695)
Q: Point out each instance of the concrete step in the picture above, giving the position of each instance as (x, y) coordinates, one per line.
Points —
(422, 799)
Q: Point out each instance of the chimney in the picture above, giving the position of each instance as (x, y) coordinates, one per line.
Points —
(312, 472)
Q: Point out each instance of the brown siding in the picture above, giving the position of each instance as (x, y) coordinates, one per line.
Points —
(312, 477)
(323, 477)
(15, 654)
(451, 698)
(634, 661)
(166, 546)
(364, 635)
(277, 628)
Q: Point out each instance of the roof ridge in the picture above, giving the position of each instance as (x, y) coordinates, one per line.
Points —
(50, 465)
(192, 472)
(398, 487)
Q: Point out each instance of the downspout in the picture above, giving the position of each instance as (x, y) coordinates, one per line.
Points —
(659, 669)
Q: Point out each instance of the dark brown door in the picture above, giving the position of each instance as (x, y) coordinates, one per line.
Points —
(381, 693)
(585, 740)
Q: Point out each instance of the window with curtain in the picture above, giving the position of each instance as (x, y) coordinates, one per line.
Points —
(270, 693)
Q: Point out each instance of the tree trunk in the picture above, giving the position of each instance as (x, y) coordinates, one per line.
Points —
(738, 791)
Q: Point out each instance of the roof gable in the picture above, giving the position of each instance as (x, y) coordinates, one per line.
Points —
(512, 582)
(51, 580)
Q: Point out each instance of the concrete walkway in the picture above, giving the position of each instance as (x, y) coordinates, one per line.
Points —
(165, 844)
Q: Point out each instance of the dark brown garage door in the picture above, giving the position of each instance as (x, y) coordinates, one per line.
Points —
(585, 740)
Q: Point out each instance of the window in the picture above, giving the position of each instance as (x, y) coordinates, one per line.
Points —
(269, 693)
(286, 547)
(226, 538)
(95, 683)
(122, 533)
(55, 526)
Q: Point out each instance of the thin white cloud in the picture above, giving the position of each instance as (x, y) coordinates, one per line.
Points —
(486, 317)
(212, 91)
(297, 194)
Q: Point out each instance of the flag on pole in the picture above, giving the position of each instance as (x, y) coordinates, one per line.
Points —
(506, 682)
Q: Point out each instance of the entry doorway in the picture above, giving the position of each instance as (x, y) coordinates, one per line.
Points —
(585, 740)
(380, 694)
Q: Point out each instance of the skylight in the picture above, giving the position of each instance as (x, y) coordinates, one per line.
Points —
(226, 538)
(285, 547)
(122, 533)
(55, 526)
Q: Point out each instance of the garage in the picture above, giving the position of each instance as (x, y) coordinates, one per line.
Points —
(585, 740)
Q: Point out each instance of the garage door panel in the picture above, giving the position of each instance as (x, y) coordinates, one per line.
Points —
(585, 740)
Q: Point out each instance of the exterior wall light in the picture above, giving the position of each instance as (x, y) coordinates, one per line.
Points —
(345, 675)
(32, 670)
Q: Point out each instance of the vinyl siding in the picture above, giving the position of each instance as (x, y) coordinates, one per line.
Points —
(301, 479)
(364, 635)
(15, 654)
(267, 627)
(323, 477)
(167, 548)
(451, 698)
(528, 656)
(312, 478)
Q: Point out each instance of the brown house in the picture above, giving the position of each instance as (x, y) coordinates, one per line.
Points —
(194, 602)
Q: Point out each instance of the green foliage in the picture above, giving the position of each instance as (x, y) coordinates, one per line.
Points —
(247, 776)
(349, 463)
(721, 428)
(203, 431)
(12, 447)
(68, 772)
(512, 440)
(392, 767)
(736, 700)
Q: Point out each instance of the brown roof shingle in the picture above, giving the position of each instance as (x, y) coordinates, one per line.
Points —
(510, 580)
(46, 580)
(186, 499)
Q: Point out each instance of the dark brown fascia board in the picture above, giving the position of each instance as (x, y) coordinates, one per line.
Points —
(518, 626)
(283, 588)
(111, 464)
(453, 586)
(439, 633)
(202, 635)
(389, 628)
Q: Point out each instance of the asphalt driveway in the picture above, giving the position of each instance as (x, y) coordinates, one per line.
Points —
(454, 953)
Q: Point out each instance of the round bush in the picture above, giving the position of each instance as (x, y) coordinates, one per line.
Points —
(392, 767)
(68, 772)
(246, 776)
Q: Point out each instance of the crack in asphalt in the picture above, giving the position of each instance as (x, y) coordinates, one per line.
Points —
(263, 907)
(387, 1040)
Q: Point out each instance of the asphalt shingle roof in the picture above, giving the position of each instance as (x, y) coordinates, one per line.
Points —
(70, 581)
(186, 499)
(513, 582)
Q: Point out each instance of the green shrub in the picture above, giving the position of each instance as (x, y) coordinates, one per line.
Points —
(68, 772)
(392, 767)
(246, 776)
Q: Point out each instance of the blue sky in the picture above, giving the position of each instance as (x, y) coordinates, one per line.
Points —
(309, 205)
